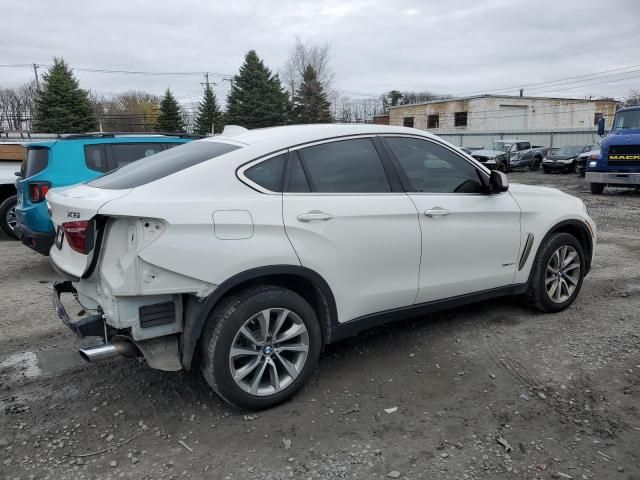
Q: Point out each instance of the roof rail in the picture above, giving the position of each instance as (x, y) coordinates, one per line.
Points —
(78, 136)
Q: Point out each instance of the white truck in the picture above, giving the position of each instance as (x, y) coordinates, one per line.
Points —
(11, 156)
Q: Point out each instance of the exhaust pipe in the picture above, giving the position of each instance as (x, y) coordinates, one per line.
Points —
(108, 350)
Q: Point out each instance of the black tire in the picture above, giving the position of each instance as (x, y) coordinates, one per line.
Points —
(597, 188)
(502, 167)
(534, 166)
(576, 168)
(546, 170)
(7, 210)
(537, 295)
(222, 327)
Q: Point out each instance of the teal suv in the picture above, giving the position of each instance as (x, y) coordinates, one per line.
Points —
(69, 160)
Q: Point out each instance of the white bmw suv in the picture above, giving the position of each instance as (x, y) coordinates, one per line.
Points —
(244, 253)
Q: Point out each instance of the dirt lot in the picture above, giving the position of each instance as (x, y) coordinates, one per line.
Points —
(561, 392)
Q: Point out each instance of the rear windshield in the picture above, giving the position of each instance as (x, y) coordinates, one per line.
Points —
(167, 162)
(36, 161)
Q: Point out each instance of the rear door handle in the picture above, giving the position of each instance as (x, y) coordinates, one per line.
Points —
(314, 216)
(436, 212)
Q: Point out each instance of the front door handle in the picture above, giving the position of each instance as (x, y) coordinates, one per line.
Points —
(437, 212)
(314, 216)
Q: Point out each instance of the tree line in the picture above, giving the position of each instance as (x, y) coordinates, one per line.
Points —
(257, 99)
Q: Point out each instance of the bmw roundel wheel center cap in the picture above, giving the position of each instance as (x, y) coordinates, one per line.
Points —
(267, 349)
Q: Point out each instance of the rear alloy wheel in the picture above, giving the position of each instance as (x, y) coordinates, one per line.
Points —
(8, 219)
(261, 347)
(558, 272)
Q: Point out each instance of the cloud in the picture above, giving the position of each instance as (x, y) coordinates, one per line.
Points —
(452, 46)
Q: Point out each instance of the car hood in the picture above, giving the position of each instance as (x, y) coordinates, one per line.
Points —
(589, 153)
(518, 189)
(487, 153)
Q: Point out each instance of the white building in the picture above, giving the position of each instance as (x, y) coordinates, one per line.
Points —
(502, 113)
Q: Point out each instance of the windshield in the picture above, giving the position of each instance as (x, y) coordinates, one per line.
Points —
(626, 120)
(500, 146)
(571, 150)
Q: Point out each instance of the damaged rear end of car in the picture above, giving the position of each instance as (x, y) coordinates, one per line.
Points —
(134, 307)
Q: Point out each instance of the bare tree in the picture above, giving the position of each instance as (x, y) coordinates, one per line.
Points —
(302, 54)
(132, 111)
(633, 99)
(17, 106)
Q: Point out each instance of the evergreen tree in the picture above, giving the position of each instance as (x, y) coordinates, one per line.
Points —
(310, 104)
(62, 106)
(256, 99)
(170, 118)
(208, 113)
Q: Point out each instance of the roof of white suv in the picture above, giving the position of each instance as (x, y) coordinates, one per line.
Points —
(298, 134)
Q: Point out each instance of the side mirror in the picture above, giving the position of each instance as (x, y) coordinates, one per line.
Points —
(17, 174)
(498, 182)
(601, 126)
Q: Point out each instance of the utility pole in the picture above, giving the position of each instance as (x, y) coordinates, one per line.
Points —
(35, 71)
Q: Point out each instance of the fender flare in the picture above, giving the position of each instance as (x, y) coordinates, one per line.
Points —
(586, 231)
(196, 321)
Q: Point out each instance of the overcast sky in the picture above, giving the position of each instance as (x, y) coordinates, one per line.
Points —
(449, 46)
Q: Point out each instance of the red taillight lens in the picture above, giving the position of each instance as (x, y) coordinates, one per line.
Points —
(38, 190)
(79, 235)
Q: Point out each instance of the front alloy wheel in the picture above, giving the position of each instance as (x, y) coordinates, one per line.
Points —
(557, 273)
(260, 346)
(562, 274)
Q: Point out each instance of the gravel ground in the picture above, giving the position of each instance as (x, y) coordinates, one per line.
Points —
(493, 390)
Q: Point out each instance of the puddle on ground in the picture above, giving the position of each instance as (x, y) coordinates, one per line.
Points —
(33, 364)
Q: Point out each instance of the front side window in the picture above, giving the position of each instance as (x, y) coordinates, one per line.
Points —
(160, 165)
(432, 168)
(346, 166)
(125, 153)
(267, 174)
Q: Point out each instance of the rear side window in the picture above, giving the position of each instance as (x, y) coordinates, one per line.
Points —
(36, 161)
(167, 162)
(95, 158)
(267, 174)
(346, 166)
(125, 153)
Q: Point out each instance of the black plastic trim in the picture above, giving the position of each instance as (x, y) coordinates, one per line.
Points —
(344, 330)
(89, 326)
(586, 231)
(526, 251)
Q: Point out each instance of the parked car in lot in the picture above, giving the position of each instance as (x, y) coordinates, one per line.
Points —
(11, 157)
(506, 155)
(583, 158)
(564, 159)
(243, 254)
(70, 160)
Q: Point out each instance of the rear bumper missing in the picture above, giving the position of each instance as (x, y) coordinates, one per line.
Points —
(88, 326)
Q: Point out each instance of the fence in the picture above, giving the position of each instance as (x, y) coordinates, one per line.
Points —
(547, 138)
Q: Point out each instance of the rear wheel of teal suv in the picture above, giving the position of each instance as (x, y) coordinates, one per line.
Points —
(70, 160)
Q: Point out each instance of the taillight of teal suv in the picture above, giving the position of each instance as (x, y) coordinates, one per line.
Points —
(68, 161)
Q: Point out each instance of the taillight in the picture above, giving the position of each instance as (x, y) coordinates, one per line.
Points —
(79, 235)
(38, 190)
